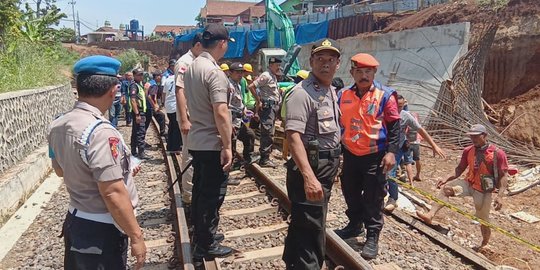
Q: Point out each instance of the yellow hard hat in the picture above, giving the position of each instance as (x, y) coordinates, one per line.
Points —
(248, 67)
(302, 74)
(224, 67)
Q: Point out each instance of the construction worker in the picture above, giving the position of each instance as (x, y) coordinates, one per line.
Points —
(225, 68)
(266, 107)
(206, 89)
(182, 116)
(300, 76)
(487, 171)
(90, 154)
(313, 134)
(239, 112)
(138, 108)
(370, 121)
(409, 128)
(247, 98)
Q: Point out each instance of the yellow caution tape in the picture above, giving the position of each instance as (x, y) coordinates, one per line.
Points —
(466, 214)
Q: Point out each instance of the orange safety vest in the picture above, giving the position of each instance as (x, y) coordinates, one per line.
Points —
(362, 119)
(485, 167)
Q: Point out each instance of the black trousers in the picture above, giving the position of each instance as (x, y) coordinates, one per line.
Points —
(363, 183)
(174, 139)
(247, 136)
(160, 118)
(305, 242)
(93, 245)
(268, 119)
(138, 134)
(209, 189)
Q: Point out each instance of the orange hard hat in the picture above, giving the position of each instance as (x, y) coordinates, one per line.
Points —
(363, 60)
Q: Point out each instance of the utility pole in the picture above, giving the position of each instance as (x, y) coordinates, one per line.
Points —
(72, 3)
(78, 39)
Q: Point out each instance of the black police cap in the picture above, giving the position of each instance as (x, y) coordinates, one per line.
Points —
(273, 60)
(215, 31)
(236, 66)
(325, 44)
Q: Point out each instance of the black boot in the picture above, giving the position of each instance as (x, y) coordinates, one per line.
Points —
(371, 247)
(352, 229)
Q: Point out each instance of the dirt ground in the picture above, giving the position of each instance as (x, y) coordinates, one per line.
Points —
(511, 77)
(502, 249)
(156, 62)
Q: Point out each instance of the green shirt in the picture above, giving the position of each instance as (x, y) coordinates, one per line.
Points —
(247, 97)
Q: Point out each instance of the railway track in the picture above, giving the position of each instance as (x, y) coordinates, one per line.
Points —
(254, 222)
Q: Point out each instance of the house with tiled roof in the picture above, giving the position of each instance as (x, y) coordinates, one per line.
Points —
(170, 30)
(232, 12)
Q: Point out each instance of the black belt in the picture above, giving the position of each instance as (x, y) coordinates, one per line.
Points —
(327, 154)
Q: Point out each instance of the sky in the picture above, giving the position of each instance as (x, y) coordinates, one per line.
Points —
(149, 13)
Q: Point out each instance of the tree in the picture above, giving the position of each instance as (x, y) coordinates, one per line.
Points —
(9, 17)
(38, 29)
(65, 35)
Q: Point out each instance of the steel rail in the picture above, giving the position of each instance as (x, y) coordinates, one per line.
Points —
(183, 242)
(341, 253)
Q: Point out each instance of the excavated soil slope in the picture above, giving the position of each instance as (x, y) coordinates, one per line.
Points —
(512, 69)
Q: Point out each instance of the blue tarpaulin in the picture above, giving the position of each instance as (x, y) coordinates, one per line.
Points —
(255, 38)
(310, 32)
(186, 37)
(236, 49)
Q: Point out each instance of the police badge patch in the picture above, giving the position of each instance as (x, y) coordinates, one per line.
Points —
(113, 143)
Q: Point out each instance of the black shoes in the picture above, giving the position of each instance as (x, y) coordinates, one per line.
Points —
(351, 230)
(267, 163)
(252, 159)
(219, 251)
(219, 237)
(371, 247)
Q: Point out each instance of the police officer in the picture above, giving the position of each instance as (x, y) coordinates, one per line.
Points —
(267, 106)
(370, 119)
(206, 90)
(313, 133)
(138, 108)
(182, 113)
(238, 112)
(92, 157)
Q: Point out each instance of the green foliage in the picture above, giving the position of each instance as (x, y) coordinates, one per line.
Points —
(39, 28)
(9, 16)
(65, 35)
(130, 59)
(25, 65)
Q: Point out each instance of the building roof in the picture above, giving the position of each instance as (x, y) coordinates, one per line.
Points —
(171, 28)
(228, 8)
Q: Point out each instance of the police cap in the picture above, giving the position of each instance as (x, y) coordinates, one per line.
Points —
(364, 60)
(236, 66)
(137, 71)
(196, 38)
(172, 62)
(97, 65)
(273, 60)
(215, 31)
(325, 44)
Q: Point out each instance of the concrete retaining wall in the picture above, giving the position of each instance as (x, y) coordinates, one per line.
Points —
(24, 119)
(414, 62)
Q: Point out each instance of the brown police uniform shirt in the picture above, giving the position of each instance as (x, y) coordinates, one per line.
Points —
(312, 111)
(205, 85)
(180, 69)
(268, 86)
(108, 157)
